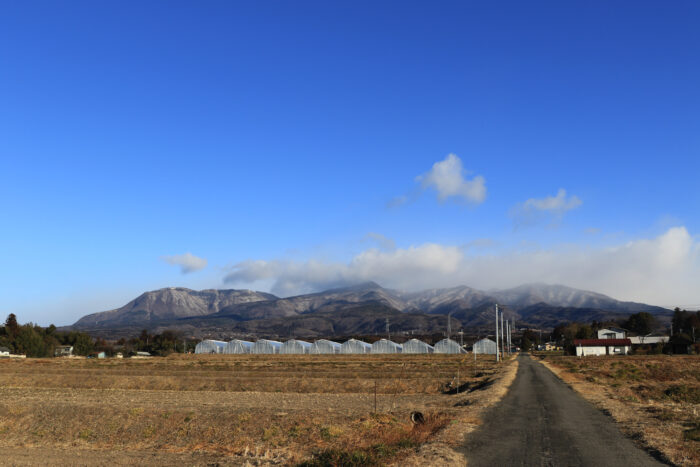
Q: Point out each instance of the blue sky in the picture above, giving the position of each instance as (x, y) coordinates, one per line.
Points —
(290, 146)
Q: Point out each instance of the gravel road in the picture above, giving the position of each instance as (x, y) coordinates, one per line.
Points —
(543, 422)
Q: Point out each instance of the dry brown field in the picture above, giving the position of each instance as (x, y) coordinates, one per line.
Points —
(654, 398)
(230, 409)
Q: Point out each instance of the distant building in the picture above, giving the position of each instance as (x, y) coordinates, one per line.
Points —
(101, 355)
(612, 333)
(4, 352)
(585, 347)
(63, 351)
(649, 340)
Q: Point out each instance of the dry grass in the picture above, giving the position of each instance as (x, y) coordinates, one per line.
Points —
(263, 409)
(654, 398)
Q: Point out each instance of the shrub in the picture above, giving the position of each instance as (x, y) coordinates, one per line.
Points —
(683, 393)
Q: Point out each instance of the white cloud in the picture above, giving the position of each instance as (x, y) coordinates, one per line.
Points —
(447, 178)
(549, 207)
(187, 262)
(664, 270)
(385, 243)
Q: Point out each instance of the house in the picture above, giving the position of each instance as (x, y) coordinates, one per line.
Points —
(612, 333)
(4, 352)
(63, 351)
(585, 347)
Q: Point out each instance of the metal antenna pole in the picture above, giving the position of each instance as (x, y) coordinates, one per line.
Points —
(497, 354)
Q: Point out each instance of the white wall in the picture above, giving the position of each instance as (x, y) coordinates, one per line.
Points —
(582, 351)
(585, 351)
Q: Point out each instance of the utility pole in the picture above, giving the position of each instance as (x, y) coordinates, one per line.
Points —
(461, 337)
(388, 335)
(507, 338)
(503, 341)
(497, 354)
(510, 337)
(449, 324)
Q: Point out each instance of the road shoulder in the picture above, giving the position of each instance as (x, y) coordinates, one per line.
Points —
(444, 449)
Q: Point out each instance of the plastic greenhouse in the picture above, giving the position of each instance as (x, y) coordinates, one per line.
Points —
(323, 346)
(209, 346)
(264, 346)
(416, 346)
(355, 346)
(485, 346)
(448, 346)
(237, 346)
(293, 346)
(386, 346)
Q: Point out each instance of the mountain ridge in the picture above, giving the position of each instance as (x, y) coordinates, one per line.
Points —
(528, 304)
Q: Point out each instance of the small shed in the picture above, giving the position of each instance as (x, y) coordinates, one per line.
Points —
(485, 347)
(354, 346)
(238, 346)
(296, 347)
(63, 351)
(649, 340)
(417, 346)
(4, 352)
(209, 346)
(448, 346)
(586, 347)
(386, 346)
(264, 346)
(323, 346)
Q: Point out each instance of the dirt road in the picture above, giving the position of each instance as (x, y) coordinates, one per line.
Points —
(542, 422)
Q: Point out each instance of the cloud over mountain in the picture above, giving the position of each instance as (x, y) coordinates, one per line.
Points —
(187, 262)
(660, 270)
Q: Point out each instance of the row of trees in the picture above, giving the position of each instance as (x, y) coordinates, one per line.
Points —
(34, 341)
(161, 344)
(37, 342)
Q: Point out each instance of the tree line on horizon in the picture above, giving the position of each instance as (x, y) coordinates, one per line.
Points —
(685, 326)
(35, 341)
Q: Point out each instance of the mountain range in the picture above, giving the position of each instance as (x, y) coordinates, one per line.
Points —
(359, 309)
